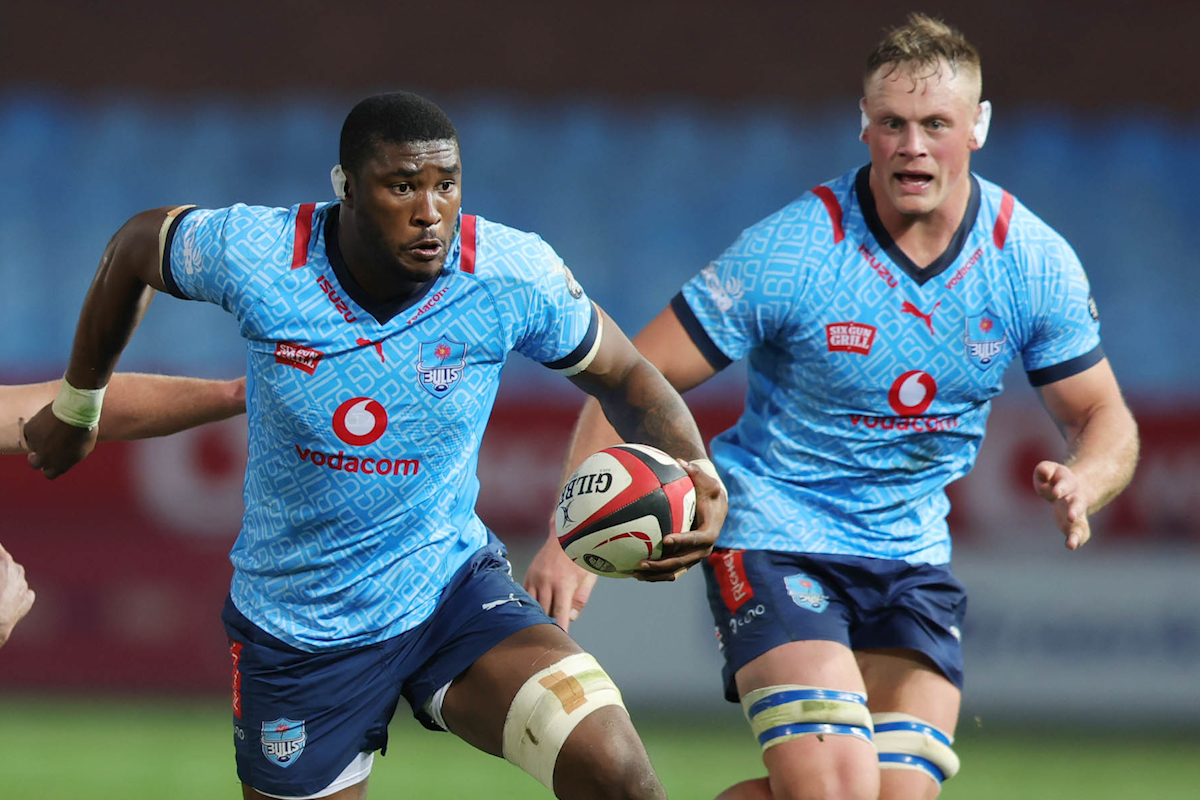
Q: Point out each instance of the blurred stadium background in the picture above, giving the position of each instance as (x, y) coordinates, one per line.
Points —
(638, 138)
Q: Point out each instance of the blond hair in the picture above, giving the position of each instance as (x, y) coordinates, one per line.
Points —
(920, 47)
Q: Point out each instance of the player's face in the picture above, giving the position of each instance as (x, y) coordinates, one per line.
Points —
(921, 136)
(405, 203)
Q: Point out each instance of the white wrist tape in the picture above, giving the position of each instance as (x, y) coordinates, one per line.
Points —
(710, 469)
(78, 407)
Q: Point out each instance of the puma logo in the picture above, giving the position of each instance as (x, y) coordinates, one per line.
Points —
(512, 598)
(909, 308)
(378, 348)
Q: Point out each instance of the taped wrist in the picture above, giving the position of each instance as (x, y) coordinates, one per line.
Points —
(78, 407)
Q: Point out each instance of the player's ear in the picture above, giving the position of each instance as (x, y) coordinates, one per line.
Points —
(341, 183)
(983, 121)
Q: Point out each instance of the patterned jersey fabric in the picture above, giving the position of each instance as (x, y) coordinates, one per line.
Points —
(365, 418)
(870, 379)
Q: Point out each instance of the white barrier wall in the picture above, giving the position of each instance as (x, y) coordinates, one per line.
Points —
(1111, 635)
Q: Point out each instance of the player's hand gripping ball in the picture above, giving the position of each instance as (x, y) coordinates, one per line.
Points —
(616, 508)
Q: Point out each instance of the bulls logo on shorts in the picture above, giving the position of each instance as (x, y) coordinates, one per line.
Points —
(806, 592)
(283, 741)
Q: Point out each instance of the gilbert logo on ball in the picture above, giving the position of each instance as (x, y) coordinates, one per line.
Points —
(618, 505)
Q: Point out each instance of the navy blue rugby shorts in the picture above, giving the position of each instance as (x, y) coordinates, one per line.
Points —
(300, 718)
(761, 599)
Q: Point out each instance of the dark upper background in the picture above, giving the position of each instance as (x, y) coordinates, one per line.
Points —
(1077, 56)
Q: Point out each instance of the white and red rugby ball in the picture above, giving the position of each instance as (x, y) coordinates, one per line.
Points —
(616, 508)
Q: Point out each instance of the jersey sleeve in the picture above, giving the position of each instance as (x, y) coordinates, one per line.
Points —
(1066, 326)
(740, 300)
(551, 318)
(226, 256)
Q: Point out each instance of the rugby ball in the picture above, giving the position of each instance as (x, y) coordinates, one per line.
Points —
(616, 508)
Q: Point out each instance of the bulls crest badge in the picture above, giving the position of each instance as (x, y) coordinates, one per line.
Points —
(984, 338)
(440, 365)
(283, 741)
(806, 592)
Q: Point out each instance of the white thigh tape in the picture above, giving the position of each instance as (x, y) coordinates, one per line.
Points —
(548, 707)
(908, 742)
(781, 713)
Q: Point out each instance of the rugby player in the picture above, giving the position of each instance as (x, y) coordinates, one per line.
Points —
(878, 313)
(376, 328)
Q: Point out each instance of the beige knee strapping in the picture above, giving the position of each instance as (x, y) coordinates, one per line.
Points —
(907, 742)
(549, 706)
(780, 713)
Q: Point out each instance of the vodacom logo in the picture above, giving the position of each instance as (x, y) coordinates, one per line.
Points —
(360, 421)
(912, 393)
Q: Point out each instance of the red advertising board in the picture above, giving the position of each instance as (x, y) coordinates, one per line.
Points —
(128, 551)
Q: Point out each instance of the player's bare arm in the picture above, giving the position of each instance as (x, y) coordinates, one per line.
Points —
(124, 284)
(16, 598)
(1102, 449)
(136, 406)
(562, 588)
(642, 406)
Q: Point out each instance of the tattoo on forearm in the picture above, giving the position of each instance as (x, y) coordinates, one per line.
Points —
(656, 415)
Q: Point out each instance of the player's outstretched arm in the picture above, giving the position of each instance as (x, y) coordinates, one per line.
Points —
(124, 285)
(16, 598)
(139, 406)
(136, 406)
(555, 582)
(1102, 449)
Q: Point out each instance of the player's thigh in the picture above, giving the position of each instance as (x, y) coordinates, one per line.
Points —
(477, 703)
(818, 764)
(905, 682)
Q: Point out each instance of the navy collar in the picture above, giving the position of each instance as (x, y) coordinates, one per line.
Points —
(866, 201)
(382, 310)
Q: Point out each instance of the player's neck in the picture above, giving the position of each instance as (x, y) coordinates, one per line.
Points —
(372, 274)
(925, 237)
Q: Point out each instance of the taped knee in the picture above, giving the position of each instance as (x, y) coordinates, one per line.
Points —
(906, 742)
(549, 706)
(780, 713)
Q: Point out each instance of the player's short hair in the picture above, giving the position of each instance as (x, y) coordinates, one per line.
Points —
(920, 46)
(395, 117)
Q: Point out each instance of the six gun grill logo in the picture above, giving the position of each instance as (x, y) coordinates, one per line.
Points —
(984, 338)
(441, 365)
(283, 741)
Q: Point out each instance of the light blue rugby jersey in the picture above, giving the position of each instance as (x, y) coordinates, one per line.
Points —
(365, 419)
(870, 379)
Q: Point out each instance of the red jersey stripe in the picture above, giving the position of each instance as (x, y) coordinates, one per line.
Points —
(466, 260)
(304, 220)
(835, 211)
(1000, 232)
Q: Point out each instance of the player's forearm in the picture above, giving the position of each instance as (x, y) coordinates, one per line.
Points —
(645, 408)
(1104, 453)
(141, 406)
(592, 432)
(124, 285)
